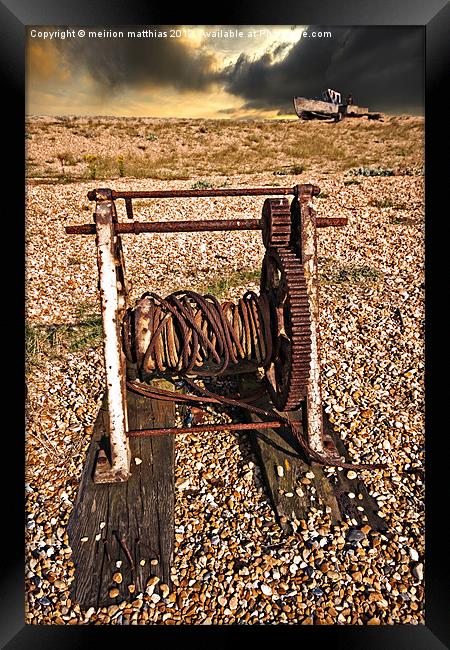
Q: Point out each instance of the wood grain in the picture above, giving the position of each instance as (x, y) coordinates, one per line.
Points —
(137, 516)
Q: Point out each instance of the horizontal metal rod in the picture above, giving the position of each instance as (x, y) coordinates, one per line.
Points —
(225, 191)
(138, 227)
(201, 428)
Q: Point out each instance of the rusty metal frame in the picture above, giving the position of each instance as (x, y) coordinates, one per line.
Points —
(113, 298)
(114, 292)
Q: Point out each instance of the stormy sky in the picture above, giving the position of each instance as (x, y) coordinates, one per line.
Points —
(220, 71)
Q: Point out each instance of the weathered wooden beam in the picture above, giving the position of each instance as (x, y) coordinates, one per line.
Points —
(114, 522)
(294, 485)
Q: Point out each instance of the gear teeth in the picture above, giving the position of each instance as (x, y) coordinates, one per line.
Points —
(276, 223)
(289, 395)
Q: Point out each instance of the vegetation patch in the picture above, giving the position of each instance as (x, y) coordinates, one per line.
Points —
(220, 285)
(397, 221)
(290, 170)
(354, 274)
(370, 171)
(201, 185)
(55, 339)
(280, 147)
(387, 203)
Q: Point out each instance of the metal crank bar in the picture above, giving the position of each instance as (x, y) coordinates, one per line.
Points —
(227, 191)
(212, 225)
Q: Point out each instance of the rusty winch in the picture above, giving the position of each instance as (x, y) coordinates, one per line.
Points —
(187, 335)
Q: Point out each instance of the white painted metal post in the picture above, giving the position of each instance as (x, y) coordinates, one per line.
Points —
(313, 417)
(112, 296)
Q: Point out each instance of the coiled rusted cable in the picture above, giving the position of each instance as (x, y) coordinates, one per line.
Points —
(189, 333)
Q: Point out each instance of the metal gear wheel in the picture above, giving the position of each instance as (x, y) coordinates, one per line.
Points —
(287, 374)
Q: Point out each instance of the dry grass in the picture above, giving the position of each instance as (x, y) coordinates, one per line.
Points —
(53, 340)
(74, 149)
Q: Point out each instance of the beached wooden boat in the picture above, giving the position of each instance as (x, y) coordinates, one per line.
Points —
(308, 109)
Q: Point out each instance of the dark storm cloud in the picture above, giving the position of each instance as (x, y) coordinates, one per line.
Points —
(381, 67)
(116, 64)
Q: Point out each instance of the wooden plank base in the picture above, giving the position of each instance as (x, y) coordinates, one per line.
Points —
(131, 523)
(293, 493)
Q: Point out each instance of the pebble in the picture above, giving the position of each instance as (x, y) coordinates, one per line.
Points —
(280, 471)
(355, 535)
(114, 592)
(417, 571)
(267, 591)
(351, 474)
(117, 577)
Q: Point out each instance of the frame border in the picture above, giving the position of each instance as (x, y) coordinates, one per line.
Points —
(433, 16)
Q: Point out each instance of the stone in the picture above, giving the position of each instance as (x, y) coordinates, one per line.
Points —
(413, 554)
(355, 535)
(417, 571)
